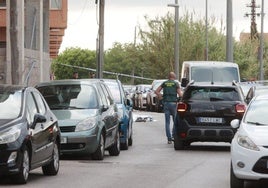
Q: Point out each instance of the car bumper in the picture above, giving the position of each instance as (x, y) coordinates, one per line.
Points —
(249, 164)
(84, 142)
(193, 133)
(8, 166)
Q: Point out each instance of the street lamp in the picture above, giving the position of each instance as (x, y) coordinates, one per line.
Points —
(176, 47)
(206, 30)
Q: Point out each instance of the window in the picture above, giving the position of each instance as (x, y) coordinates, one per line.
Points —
(30, 108)
(3, 4)
(40, 102)
(55, 4)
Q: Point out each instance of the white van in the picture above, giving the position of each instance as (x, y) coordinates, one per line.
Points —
(209, 71)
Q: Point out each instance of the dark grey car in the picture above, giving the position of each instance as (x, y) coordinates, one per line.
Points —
(87, 114)
(29, 133)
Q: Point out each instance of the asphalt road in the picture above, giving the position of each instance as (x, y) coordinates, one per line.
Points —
(150, 162)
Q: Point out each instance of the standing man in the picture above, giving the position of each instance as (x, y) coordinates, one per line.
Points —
(75, 75)
(170, 90)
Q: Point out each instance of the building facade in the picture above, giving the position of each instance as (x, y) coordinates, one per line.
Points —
(31, 33)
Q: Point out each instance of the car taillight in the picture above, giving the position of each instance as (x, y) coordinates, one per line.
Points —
(182, 107)
(240, 108)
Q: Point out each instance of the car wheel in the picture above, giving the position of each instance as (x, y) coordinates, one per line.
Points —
(130, 140)
(99, 153)
(178, 144)
(124, 146)
(22, 176)
(234, 181)
(52, 168)
(114, 150)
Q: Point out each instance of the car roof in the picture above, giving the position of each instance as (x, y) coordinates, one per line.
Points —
(261, 97)
(210, 63)
(10, 87)
(213, 84)
(68, 82)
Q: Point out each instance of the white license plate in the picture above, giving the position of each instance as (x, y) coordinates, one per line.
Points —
(210, 120)
(63, 140)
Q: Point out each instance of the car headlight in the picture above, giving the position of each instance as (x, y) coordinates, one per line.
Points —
(9, 136)
(246, 142)
(86, 124)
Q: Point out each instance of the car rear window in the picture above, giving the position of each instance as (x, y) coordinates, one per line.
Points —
(211, 94)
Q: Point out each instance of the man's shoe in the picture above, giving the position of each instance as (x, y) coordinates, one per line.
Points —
(169, 142)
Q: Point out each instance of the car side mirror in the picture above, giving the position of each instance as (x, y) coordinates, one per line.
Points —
(38, 118)
(128, 102)
(235, 123)
(184, 82)
(104, 108)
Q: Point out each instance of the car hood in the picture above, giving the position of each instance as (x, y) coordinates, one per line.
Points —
(71, 117)
(258, 134)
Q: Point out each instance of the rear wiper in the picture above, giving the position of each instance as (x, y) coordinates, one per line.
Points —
(255, 123)
(215, 99)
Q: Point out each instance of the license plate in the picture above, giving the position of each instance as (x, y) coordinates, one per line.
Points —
(210, 120)
(63, 140)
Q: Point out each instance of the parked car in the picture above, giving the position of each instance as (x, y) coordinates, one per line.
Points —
(140, 100)
(205, 112)
(29, 133)
(124, 106)
(249, 146)
(87, 114)
(154, 104)
(129, 90)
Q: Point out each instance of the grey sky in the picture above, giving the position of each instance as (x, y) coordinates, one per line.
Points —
(121, 17)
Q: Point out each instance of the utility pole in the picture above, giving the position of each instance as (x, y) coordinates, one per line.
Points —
(206, 31)
(176, 45)
(261, 42)
(229, 34)
(14, 42)
(253, 25)
(100, 41)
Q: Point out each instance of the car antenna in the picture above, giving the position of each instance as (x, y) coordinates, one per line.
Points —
(28, 75)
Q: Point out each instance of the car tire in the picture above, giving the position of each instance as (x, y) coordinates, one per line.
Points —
(52, 168)
(178, 143)
(130, 140)
(114, 150)
(22, 176)
(234, 181)
(124, 146)
(99, 153)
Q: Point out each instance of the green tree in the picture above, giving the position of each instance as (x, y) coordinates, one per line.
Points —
(74, 60)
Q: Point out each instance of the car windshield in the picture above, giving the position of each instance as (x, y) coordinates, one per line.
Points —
(70, 96)
(211, 94)
(257, 113)
(216, 74)
(10, 104)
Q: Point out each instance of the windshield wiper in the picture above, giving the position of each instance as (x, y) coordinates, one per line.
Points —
(75, 107)
(254, 123)
(215, 99)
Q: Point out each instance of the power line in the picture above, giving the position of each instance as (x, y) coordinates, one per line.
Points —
(106, 72)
